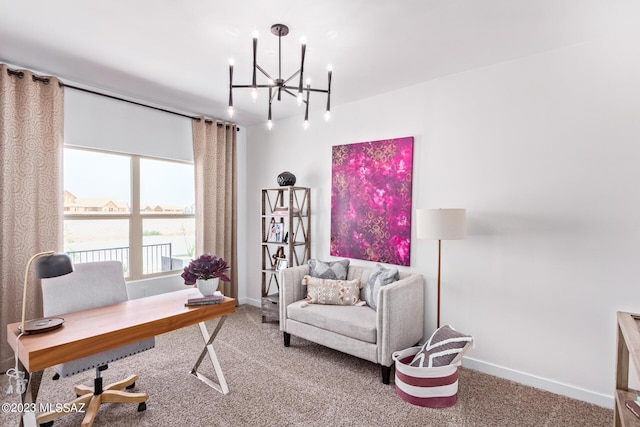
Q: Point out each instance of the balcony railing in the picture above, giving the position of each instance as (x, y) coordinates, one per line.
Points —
(155, 258)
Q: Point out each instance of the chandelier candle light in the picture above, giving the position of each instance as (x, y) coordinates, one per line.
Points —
(278, 85)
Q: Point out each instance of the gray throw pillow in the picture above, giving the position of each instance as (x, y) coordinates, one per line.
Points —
(440, 350)
(335, 270)
(379, 277)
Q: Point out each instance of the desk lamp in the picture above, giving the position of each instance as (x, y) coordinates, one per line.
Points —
(440, 224)
(50, 265)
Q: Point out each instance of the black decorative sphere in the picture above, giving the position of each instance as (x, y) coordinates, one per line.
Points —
(286, 179)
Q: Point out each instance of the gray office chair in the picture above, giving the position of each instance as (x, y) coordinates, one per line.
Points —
(92, 285)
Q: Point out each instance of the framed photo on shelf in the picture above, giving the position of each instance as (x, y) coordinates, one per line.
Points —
(275, 232)
(281, 264)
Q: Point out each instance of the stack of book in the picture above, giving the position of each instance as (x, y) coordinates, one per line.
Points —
(211, 299)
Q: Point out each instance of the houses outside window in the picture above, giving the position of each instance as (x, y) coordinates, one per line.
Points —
(130, 208)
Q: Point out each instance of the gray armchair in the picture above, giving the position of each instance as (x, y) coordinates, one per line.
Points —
(363, 332)
(92, 285)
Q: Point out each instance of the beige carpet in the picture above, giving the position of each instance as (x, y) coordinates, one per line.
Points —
(303, 385)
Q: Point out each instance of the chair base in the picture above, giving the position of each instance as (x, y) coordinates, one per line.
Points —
(90, 401)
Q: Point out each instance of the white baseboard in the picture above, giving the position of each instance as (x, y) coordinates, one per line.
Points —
(250, 301)
(552, 386)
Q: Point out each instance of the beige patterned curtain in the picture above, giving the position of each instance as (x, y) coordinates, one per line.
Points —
(31, 142)
(214, 159)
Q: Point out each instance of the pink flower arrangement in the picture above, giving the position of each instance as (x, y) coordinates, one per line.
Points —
(206, 267)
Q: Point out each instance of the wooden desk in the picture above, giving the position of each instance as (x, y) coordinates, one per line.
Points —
(93, 331)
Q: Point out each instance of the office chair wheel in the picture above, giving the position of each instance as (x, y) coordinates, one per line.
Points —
(142, 406)
(131, 387)
(49, 424)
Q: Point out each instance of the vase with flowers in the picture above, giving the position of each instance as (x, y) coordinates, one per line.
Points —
(206, 271)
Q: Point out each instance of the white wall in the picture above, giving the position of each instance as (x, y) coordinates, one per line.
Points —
(544, 153)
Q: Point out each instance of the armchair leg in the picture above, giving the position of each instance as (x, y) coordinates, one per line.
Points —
(386, 374)
(287, 339)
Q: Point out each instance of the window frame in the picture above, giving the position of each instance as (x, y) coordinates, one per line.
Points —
(135, 217)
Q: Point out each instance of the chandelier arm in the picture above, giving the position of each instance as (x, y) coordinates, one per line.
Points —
(291, 78)
(306, 108)
(272, 94)
(287, 88)
(255, 63)
(329, 90)
(251, 86)
(246, 86)
(230, 88)
(291, 93)
(264, 72)
(310, 89)
(304, 48)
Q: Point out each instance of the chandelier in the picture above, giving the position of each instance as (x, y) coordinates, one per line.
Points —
(279, 85)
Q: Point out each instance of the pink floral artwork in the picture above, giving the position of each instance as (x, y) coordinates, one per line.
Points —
(371, 200)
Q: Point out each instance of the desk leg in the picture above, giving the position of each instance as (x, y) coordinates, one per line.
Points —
(28, 417)
(222, 387)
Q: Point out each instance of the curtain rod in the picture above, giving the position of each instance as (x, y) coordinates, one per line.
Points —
(45, 80)
(137, 103)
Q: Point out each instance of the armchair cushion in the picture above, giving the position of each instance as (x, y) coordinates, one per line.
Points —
(332, 292)
(355, 322)
(336, 270)
(440, 350)
(379, 277)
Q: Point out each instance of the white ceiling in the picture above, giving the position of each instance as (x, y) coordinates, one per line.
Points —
(175, 53)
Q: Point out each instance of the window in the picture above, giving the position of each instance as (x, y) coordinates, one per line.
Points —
(133, 209)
